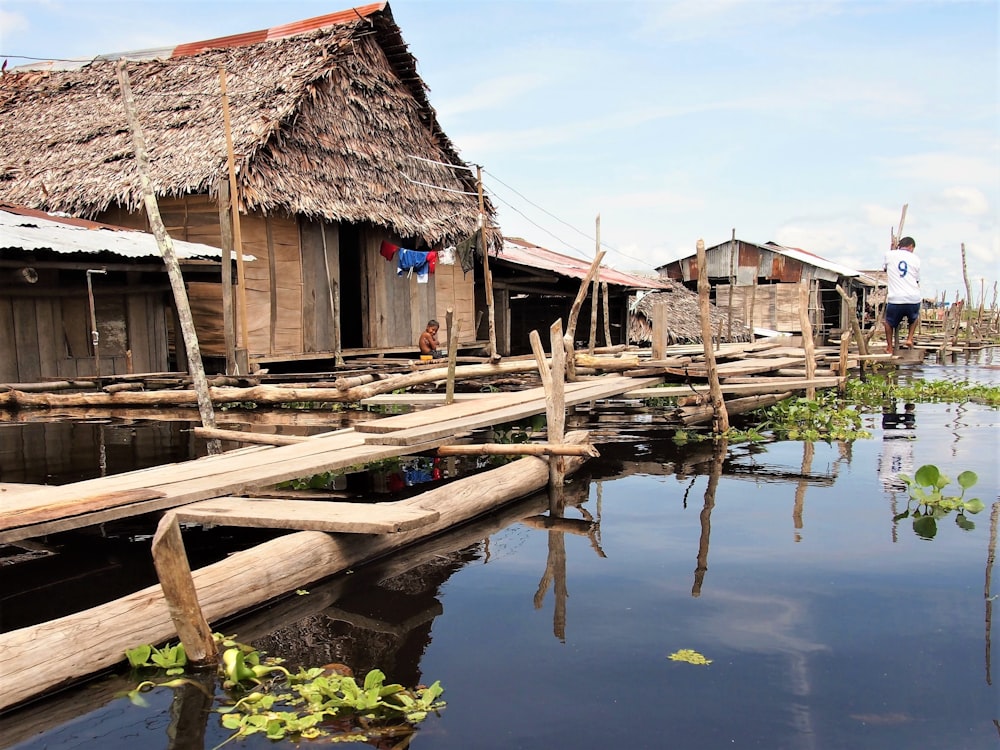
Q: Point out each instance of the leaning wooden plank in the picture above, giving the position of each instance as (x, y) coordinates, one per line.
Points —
(244, 436)
(35, 660)
(306, 515)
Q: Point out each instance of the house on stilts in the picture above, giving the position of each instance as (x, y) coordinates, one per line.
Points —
(336, 155)
(533, 284)
(760, 284)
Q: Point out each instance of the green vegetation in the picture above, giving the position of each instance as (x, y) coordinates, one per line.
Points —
(265, 698)
(925, 489)
(878, 388)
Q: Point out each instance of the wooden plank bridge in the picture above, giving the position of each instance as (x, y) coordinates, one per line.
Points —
(52, 509)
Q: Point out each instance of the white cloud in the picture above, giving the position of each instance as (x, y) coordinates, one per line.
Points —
(10, 24)
(966, 200)
(943, 167)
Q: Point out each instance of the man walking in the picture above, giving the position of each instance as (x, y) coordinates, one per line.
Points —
(902, 269)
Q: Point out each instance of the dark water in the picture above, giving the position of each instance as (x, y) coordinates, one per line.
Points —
(828, 624)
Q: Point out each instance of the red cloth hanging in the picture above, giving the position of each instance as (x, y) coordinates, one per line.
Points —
(388, 250)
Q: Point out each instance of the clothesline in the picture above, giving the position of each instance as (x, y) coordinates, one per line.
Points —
(436, 187)
(441, 163)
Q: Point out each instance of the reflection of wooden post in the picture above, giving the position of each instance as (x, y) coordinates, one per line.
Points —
(452, 354)
(808, 450)
(174, 572)
(990, 558)
(718, 457)
(721, 421)
(191, 703)
(807, 338)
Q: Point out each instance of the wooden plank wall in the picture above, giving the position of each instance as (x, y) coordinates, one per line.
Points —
(456, 290)
(320, 272)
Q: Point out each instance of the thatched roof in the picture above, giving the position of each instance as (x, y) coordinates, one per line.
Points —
(683, 318)
(333, 124)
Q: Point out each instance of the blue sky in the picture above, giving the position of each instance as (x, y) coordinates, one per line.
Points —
(805, 122)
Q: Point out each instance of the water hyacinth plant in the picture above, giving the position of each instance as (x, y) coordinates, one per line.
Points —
(926, 490)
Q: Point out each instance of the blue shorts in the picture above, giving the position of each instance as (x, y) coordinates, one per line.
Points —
(894, 314)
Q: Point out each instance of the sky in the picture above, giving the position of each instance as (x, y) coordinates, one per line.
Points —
(809, 123)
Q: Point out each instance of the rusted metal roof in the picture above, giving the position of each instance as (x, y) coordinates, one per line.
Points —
(27, 229)
(524, 253)
(234, 40)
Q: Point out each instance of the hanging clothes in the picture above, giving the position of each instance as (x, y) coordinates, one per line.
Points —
(412, 261)
(388, 250)
(466, 252)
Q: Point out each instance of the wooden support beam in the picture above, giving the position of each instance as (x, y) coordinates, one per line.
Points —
(452, 329)
(721, 420)
(519, 449)
(805, 293)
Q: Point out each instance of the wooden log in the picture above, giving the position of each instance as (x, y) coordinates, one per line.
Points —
(608, 364)
(519, 449)
(700, 415)
(240, 436)
(101, 635)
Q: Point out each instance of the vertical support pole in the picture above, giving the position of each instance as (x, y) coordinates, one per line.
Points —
(553, 381)
(845, 344)
(95, 334)
(226, 237)
(607, 319)
(807, 337)
(235, 215)
(487, 275)
(574, 314)
(721, 420)
(452, 328)
(595, 293)
(659, 342)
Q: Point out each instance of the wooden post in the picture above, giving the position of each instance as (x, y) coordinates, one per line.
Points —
(595, 294)
(228, 322)
(174, 572)
(807, 337)
(95, 334)
(845, 344)
(553, 381)
(968, 294)
(166, 247)
(235, 214)
(607, 319)
(733, 255)
(487, 275)
(452, 329)
(659, 342)
(721, 421)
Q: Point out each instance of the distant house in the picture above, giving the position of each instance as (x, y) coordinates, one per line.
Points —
(337, 150)
(533, 286)
(761, 283)
(683, 318)
(61, 273)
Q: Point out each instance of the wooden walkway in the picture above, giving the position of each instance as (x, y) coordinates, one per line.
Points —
(48, 510)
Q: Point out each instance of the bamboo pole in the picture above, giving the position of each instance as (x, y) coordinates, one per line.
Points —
(166, 247)
(235, 214)
(519, 449)
(721, 419)
(487, 274)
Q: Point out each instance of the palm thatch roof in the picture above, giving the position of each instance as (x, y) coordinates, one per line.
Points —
(331, 124)
(683, 318)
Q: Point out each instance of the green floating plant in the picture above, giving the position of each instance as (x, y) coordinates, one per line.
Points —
(309, 704)
(690, 656)
(926, 490)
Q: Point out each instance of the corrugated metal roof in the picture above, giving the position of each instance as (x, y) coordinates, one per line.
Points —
(26, 229)
(523, 253)
(804, 256)
(233, 40)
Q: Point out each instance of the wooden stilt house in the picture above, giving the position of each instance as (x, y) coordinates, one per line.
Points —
(65, 279)
(534, 286)
(760, 284)
(335, 150)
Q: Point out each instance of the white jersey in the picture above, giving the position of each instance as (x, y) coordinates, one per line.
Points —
(902, 269)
